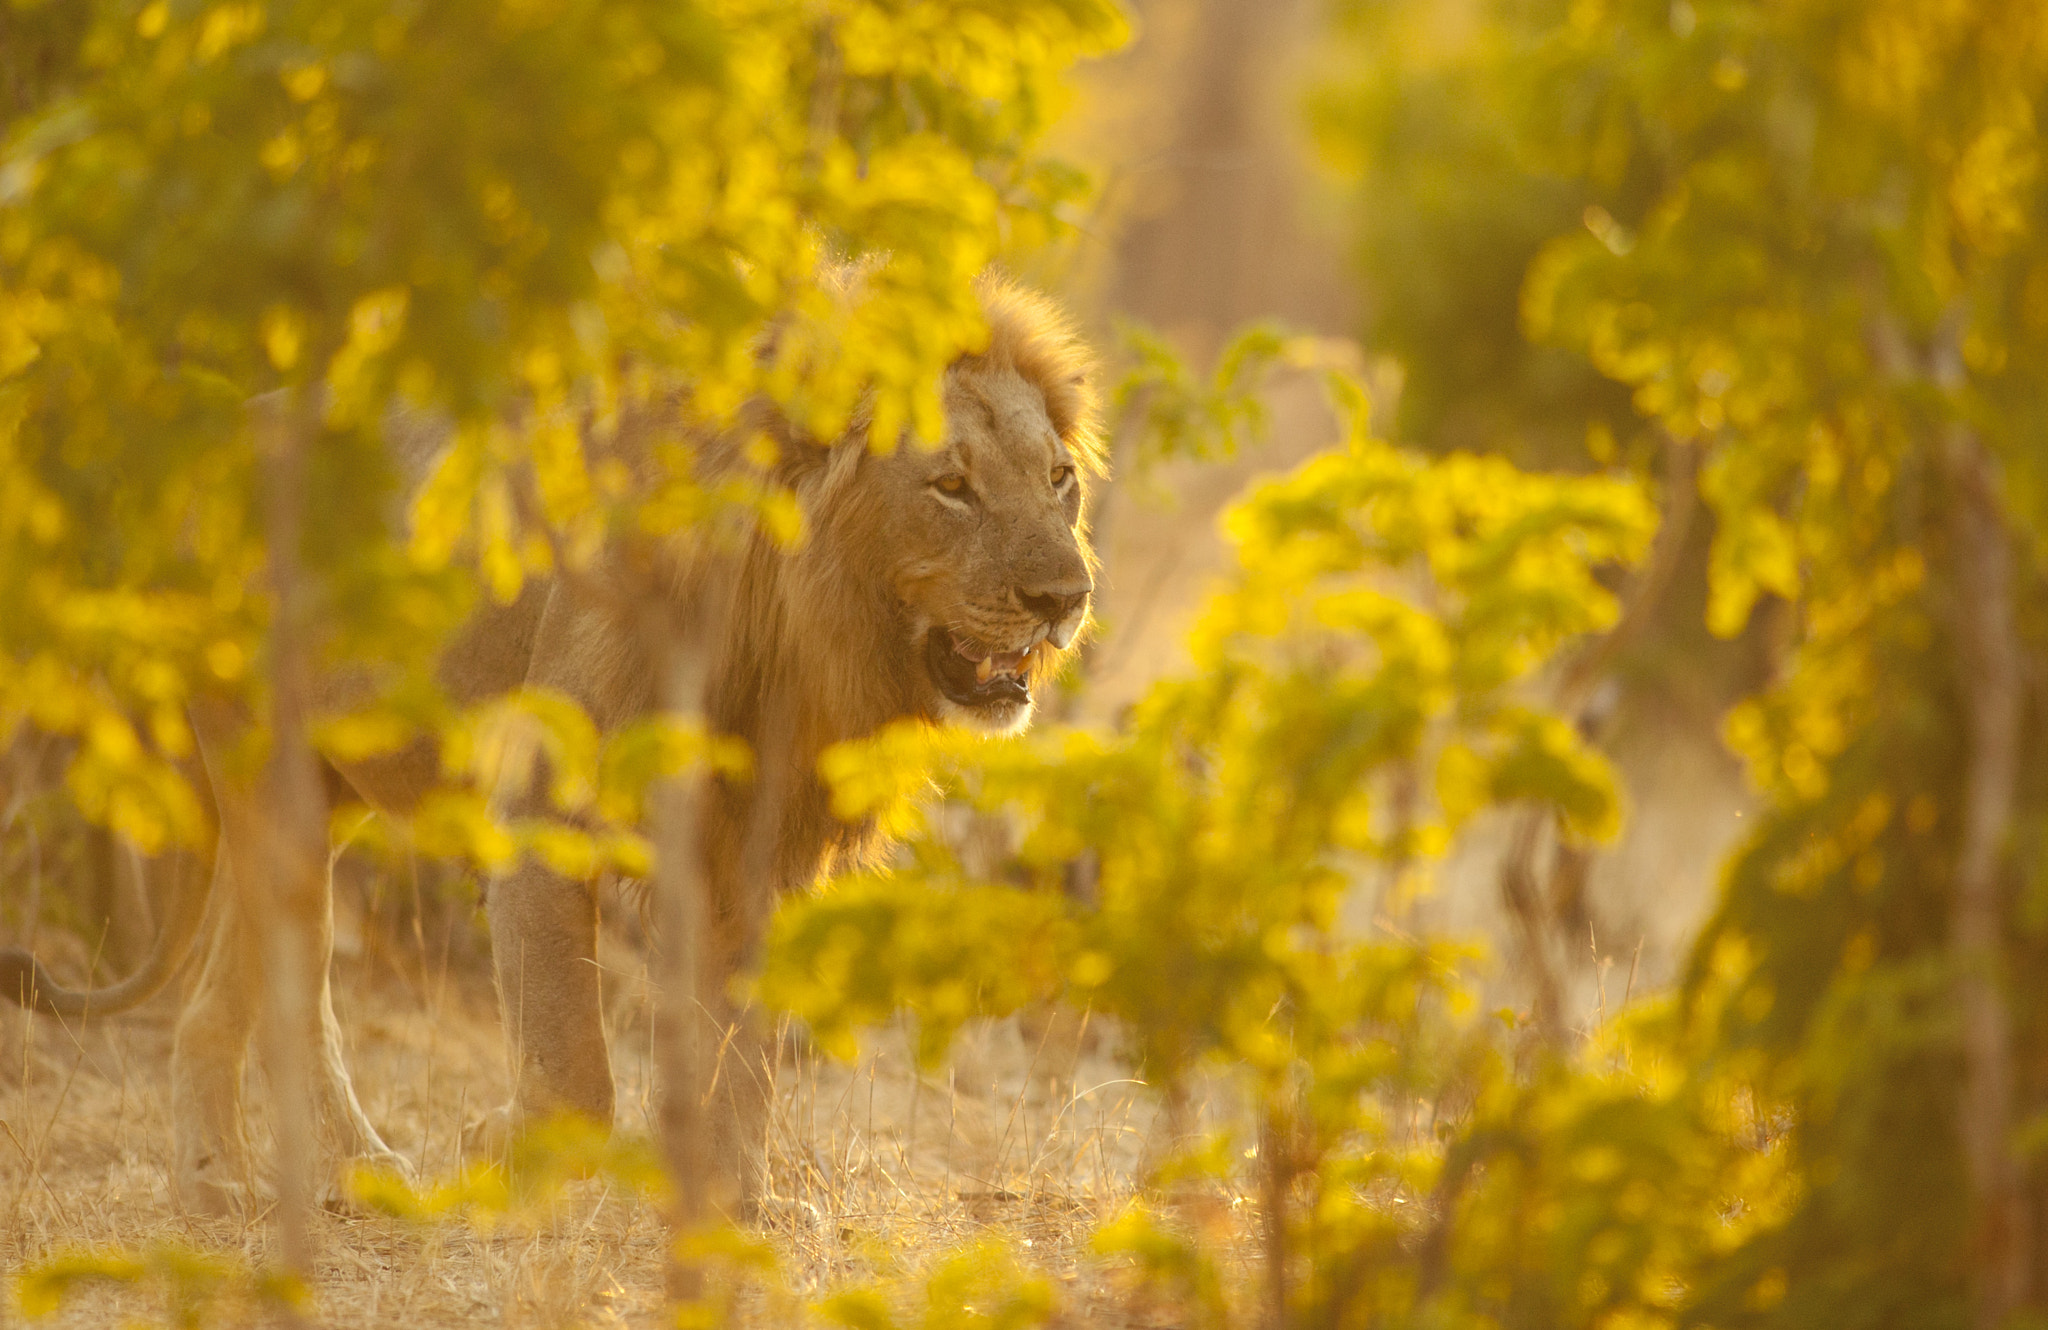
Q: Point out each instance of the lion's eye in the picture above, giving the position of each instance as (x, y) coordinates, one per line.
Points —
(951, 484)
(1061, 475)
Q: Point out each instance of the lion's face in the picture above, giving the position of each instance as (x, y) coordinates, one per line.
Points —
(985, 549)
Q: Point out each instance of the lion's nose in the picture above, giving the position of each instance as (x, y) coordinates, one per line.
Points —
(1055, 602)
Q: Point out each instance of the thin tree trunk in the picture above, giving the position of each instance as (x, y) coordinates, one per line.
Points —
(683, 963)
(1990, 660)
(1276, 1177)
(285, 893)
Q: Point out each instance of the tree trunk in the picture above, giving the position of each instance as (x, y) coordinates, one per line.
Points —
(285, 894)
(1990, 671)
(1276, 1186)
(687, 976)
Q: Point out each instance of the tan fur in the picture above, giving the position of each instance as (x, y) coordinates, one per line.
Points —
(810, 647)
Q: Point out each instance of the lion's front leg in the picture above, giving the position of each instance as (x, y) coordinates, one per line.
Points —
(543, 925)
(544, 949)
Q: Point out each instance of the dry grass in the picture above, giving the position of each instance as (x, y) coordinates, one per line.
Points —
(1030, 1137)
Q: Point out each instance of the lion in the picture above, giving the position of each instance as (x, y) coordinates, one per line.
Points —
(943, 586)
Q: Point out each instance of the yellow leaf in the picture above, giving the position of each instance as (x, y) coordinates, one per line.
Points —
(282, 331)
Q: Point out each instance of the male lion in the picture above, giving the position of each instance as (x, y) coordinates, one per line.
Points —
(942, 585)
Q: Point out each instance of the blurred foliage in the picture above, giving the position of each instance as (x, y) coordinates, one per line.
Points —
(1166, 412)
(981, 1287)
(600, 779)
(522, 1188)
(1388, 616)
(1826, 282)
(1418, 109)
(1805, 239)
(510, 219)
(1422, 113)
(233, 231)
(199, 1288)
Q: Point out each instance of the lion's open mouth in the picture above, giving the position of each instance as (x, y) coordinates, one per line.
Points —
(974, 676)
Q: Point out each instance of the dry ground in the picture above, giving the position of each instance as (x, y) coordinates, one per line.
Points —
(1030, 1138)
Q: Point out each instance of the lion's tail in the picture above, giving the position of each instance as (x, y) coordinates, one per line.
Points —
(25, 981)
